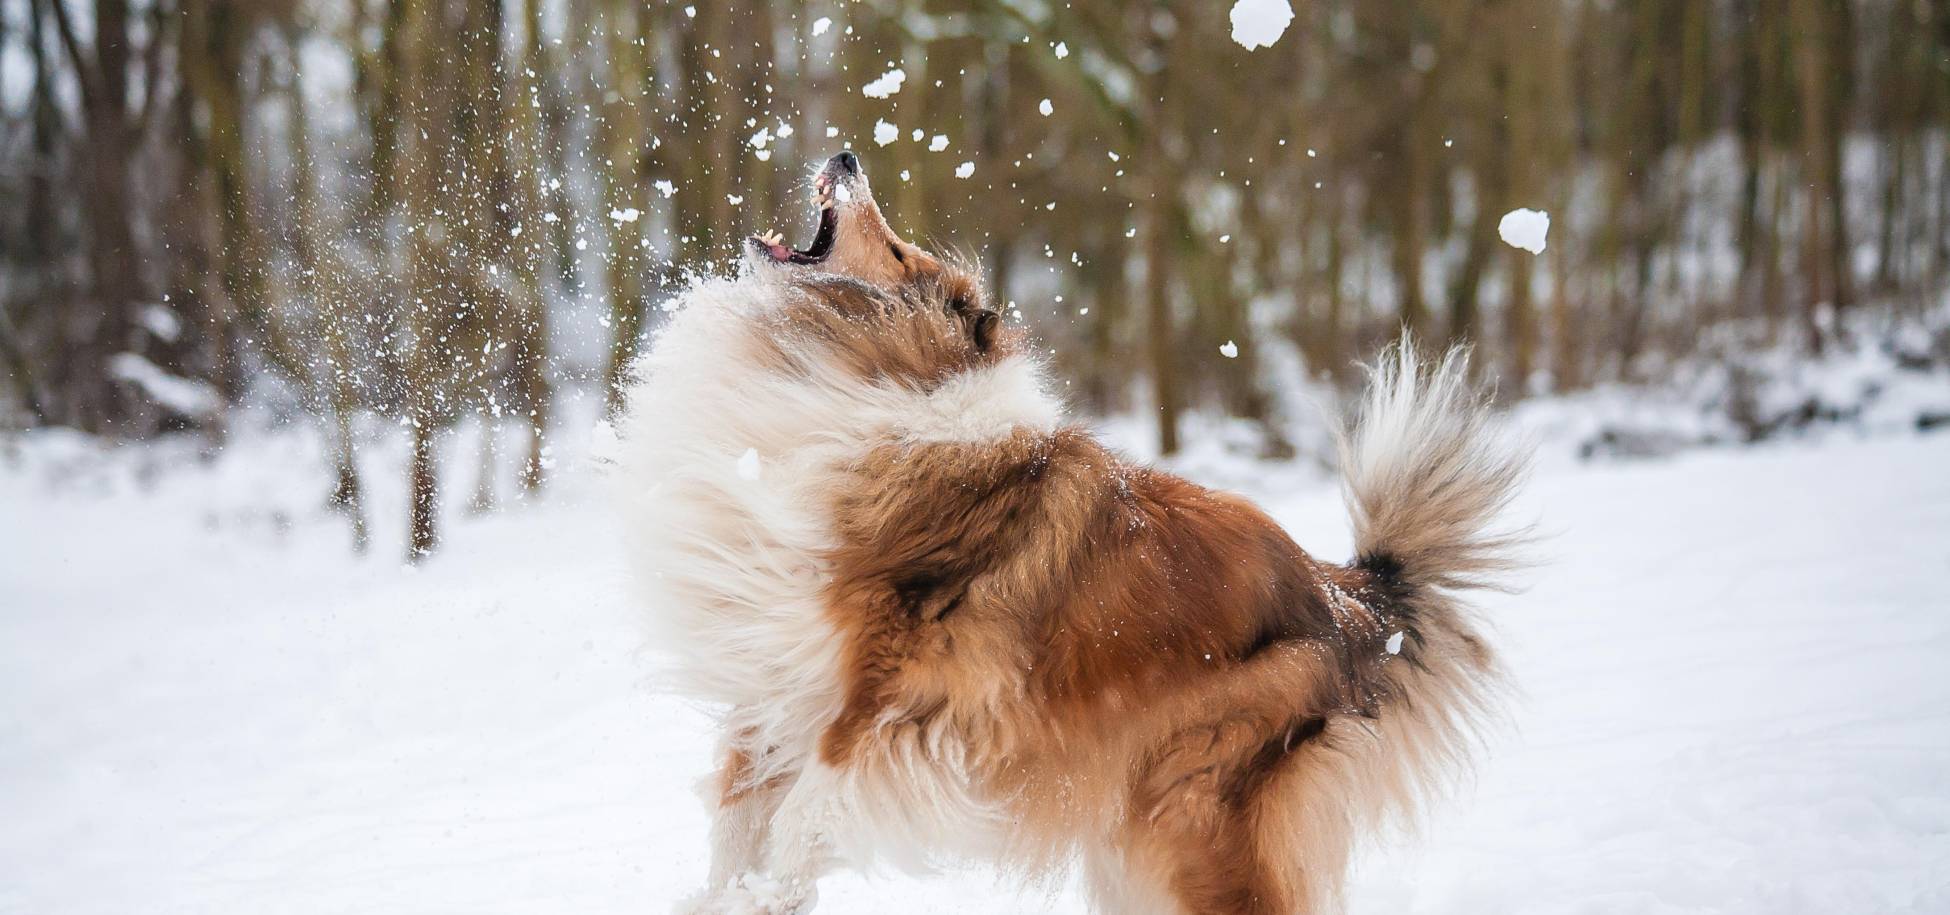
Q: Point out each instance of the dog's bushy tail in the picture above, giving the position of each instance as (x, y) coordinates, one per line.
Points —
(1427, 475)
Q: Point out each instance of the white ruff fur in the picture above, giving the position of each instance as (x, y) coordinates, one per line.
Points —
(733, 566)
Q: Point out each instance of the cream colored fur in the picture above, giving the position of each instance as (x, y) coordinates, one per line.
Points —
(733, 571)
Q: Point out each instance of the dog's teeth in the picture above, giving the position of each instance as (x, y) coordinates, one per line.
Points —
(772, 238)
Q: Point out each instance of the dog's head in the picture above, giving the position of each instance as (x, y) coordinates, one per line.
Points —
(854, 242)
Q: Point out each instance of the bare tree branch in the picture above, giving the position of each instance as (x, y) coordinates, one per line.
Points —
(85, 75)
(159, 20)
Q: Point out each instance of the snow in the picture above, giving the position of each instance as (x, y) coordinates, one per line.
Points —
(965, 169)
(160, 321)
(187, 396)
(888, 84)
(885, 133)
(938, 142)
(1229, 349)
(626, 214)
(1729, 670)
(1523, 228)
(1045, 107)
(1062, 50)
(1258, 23)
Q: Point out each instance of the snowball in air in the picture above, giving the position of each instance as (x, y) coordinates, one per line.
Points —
(885, 133)
(1395, 643)
(1230, 350)
(938, 143)
(1062, 50)
(821, 24)
(1046, 108)
(1258, 23)
(1525, 229)
(965, 169)
(888, 84)
(626, 214)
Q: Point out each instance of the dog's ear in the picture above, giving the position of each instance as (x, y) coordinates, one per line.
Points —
(982, 328)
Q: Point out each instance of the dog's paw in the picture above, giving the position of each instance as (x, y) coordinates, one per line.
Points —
(728, 900)
(752, 894)
(777, 897)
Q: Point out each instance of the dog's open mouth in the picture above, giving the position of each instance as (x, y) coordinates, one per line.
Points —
(814, 252)
(832, 187)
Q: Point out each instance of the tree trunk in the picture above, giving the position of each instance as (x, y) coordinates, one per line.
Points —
(621, 133)
(422, 535)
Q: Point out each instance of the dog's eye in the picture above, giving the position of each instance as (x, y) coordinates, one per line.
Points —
(898, 256)
(958, 305)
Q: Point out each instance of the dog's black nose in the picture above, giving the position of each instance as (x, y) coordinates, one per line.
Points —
(845, 163)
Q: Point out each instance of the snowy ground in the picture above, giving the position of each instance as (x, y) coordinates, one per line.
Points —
(1735, 674)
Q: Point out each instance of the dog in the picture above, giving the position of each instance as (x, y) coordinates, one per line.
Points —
(943, 621)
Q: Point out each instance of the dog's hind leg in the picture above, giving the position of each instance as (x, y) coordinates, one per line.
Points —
(742, 807)
(1206, 819)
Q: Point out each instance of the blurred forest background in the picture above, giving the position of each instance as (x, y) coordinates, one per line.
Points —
(437, 211)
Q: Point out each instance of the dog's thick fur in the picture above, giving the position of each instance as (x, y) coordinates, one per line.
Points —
(943, 621)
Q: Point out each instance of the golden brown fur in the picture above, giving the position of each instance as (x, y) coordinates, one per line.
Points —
(1130, 667)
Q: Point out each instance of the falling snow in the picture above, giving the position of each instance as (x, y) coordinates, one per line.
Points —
(1258, 23)
(888, 84)
(1522, 228)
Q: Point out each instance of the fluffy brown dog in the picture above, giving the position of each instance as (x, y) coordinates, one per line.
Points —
(943, 621)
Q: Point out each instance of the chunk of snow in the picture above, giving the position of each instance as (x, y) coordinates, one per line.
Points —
(1258, 23)
(1229, 349)
(888, 84)
(821, 24)
(734, 199)
(1062, 50)
(626, 214)
(1395, 643)
(1046, 108)
(938, 143)
(748, 466)
(965, 169)
(885, 133)
(1525, 229)
(664, 187)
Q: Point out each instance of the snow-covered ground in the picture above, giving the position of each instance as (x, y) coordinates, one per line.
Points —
(1734, 670)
